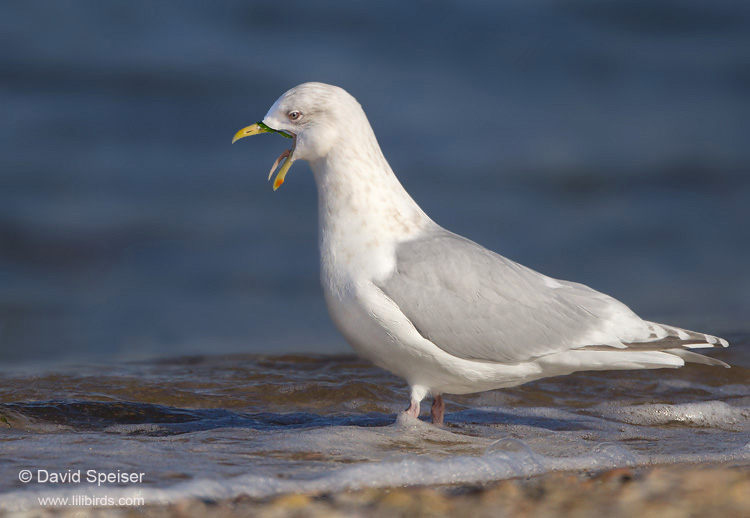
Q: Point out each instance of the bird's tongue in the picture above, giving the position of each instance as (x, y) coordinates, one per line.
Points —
(289, 155)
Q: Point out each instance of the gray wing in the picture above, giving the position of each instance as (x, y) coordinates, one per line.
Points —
(478, 305)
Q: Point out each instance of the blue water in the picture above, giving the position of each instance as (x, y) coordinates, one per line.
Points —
(149, 275)
(601, 143)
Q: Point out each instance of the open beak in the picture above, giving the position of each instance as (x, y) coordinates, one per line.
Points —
(258, 128)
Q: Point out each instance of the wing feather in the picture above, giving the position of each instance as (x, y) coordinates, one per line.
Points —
(478, 305)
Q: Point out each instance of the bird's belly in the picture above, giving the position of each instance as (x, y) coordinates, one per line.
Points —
(386, 343)
(367, 336)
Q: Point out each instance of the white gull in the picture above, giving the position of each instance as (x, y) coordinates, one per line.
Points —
(440, 311)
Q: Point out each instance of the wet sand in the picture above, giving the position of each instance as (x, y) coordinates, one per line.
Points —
(664, 491)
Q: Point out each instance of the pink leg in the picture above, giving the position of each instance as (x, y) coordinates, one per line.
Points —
(438, 410)
(413, 409)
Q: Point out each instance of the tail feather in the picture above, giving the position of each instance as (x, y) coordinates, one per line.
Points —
(690, 356)
(675, 341)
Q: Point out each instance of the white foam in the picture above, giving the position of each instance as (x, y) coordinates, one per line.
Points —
(503, 460)
(705, 414)
(478, 445)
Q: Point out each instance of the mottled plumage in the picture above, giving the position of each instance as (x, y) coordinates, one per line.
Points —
(439, 310)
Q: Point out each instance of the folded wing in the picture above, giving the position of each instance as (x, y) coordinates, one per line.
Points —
(478, 305)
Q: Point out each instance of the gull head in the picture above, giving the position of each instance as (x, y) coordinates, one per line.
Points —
(315, 116)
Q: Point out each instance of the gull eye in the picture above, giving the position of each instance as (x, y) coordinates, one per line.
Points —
(294, 115)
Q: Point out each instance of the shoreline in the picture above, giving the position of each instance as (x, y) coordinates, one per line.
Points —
(671, 490)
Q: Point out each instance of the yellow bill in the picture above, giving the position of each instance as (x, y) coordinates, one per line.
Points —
(258, 128)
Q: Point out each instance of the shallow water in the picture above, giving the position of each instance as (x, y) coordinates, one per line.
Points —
(221, 426)
(604, 144)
